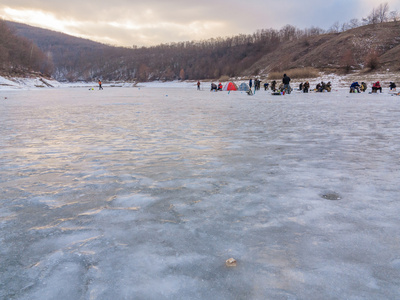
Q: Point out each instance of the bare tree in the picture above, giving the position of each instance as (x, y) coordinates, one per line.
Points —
(288, 32)
(182, 74)
(394, 16)
(354, 23)
(378, 15)
(372, 18)
(372, 60)
(382, 12)
(335, 27)
(344, 27)
(347, 60)
(315, 31)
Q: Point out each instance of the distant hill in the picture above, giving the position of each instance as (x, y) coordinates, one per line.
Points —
(19, 55)
(372, 47)
(45, 38)
(68, 53)
(375, 46)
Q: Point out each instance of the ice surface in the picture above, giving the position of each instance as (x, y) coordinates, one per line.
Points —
(144, 193)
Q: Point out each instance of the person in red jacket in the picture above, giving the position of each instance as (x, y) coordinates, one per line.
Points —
(376, 86)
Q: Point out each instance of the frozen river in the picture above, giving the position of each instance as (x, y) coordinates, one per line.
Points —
(144, 193)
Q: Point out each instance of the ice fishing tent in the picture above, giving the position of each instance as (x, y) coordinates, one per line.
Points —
(230, 86)
(244, 87)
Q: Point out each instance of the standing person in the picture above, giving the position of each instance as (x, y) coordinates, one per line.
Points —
(198, 85)
(273, 85)
(100, 87)
(306, 86)
(250, 83)
(285, 81)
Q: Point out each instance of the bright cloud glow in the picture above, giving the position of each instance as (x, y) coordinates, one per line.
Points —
(36, 17)
(151, 22)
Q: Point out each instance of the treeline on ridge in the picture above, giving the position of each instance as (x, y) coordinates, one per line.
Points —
(80, 59)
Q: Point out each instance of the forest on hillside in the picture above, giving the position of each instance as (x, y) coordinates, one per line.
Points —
(19, 55)
(79, 59)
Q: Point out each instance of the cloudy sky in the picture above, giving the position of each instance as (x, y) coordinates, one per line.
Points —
(151, 22)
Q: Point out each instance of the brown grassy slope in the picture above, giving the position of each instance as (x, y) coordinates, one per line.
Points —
(391, 58)
(336, 50)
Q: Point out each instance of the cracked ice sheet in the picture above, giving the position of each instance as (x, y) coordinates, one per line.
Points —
(143, 193)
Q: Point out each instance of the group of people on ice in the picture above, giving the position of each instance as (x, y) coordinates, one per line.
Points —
(215, 87)
(285, 88)
(355, 87)
(257, 84)
(320, 87)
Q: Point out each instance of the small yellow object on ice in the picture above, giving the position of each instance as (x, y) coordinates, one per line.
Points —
(230, 262)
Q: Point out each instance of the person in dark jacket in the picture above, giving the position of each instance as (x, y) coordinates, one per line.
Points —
(355, 86)
(328, 86)
(322, 87)
(306, 86)
(286, 85)
(392, 86)
(273, 85)
(363, 86)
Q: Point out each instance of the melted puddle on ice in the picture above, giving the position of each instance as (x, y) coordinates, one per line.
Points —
(331, 196)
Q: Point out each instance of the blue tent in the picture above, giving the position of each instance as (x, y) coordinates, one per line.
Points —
(244, 87)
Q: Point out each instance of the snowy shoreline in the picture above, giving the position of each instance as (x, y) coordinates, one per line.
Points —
(338, 81)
